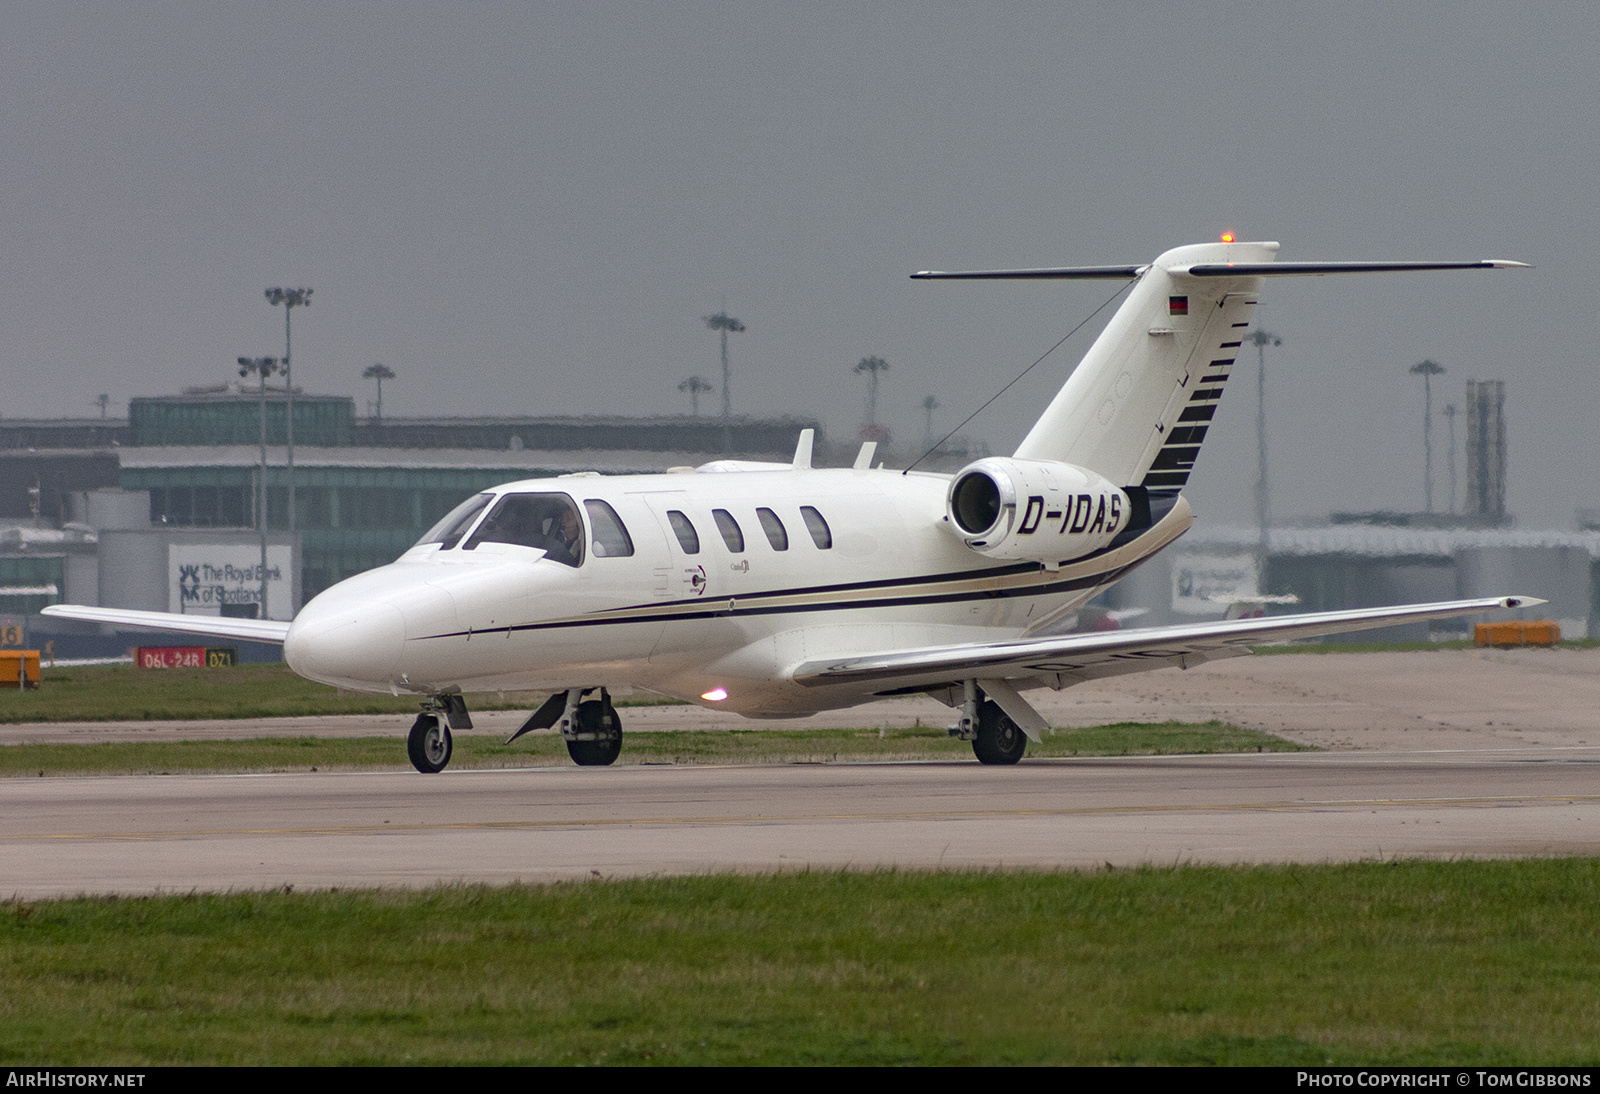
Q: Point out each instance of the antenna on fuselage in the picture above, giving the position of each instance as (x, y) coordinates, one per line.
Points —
(802, 450)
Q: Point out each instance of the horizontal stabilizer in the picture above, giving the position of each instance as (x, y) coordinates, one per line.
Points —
(212, 626)
(1214, 269)
(1317, 269)
(1074, 658)
(1059, 273)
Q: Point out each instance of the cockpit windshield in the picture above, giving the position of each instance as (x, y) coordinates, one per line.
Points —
(548, 522)
(448, 532)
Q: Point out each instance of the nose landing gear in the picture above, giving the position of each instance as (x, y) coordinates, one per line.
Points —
(429, 744)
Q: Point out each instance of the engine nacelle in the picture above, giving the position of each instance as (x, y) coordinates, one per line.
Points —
(1035, 510)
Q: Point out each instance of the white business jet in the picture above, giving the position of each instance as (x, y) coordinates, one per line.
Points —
(779, 590)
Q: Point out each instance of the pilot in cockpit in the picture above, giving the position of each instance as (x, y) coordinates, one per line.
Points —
(565, 542)
(543, 521)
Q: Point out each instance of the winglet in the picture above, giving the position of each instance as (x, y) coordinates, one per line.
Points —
(802, 450)
(864, 457)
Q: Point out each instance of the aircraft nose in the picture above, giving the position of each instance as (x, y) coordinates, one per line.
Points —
(348, 645)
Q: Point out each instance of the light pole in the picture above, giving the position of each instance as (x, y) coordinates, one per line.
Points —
(379, 373)
(723, 322)
(1262, 339)
(929, 405)
(1450, 416)
(695, 385)
(262, 367)
(289, 299)
(871, 367)
(1427, 370)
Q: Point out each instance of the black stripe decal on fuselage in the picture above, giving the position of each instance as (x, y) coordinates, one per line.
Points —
(650, 613)
(1069, 585)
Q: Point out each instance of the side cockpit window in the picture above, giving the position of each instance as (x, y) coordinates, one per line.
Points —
(821, 534)
(448, 532)
(545, 522)
(611, 539)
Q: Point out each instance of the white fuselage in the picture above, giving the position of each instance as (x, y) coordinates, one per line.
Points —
(501, 617)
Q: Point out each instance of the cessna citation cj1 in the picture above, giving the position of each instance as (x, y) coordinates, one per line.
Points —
(779, 590)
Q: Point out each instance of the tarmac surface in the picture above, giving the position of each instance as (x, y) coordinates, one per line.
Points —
(1436, 754)
(1388, 701)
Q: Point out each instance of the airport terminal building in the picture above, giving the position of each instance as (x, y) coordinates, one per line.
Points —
(159, 512)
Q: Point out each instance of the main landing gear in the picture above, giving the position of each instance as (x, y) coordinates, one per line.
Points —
(591, 728)
(595, 738)
(999, 739)
(996, 739)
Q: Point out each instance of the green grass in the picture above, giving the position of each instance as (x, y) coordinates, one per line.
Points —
(674, 747)
(1409, 963)
(115, 693)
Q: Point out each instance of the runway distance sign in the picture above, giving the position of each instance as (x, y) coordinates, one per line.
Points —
(186, 657)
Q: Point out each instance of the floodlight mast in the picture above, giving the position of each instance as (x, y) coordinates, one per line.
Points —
(1262, 339)
(1427, 370)
(380, 373)
(871, 367)
(289, 299)
(262, 367)
(694, 385)
(723, 323)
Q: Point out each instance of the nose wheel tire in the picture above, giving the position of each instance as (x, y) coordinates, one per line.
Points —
(999, 739)
(604, 751)
(429, 744)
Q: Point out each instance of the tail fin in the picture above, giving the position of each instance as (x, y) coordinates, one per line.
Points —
(1139, 403)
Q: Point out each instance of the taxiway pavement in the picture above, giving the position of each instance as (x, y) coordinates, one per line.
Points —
(1388, 701)
(138, 834)
(1434, 754)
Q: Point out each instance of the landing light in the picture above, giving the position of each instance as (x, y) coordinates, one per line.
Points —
(715, 695)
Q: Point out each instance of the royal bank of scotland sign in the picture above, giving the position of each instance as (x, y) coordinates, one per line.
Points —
(219, 579)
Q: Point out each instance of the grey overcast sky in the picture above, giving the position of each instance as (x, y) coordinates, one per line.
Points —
(527, 208)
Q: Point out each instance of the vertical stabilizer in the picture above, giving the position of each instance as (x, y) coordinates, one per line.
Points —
(1139, 403)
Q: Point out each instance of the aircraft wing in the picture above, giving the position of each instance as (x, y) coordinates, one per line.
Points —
(242, 630)
(1068, 659)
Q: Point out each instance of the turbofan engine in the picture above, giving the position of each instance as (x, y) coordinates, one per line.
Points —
(1034, 510)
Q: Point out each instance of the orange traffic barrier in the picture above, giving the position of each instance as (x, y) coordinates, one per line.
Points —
(19, 668)
(1535, 632)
